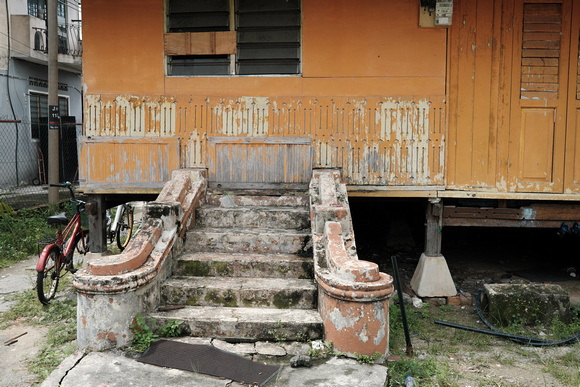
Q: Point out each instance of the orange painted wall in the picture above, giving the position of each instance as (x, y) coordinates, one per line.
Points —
(370, 99)
(362, 48)
(371, 38)
(123, 46)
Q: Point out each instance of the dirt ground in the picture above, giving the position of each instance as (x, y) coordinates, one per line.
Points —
(17, 278)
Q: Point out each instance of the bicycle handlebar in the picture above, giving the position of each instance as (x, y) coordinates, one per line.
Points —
(65, 185)
(68, 185)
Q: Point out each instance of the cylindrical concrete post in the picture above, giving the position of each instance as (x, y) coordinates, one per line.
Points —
(356, 321)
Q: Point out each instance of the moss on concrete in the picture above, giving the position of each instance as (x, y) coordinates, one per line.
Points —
(308, 269)
(228, 298)
(255, 302)
(219, 268)
(286, 300)
(194, 268)
(525, 304)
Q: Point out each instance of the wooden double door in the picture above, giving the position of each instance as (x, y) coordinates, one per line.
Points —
(520, 128)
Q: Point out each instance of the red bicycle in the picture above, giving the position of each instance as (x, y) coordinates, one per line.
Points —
(57, 257)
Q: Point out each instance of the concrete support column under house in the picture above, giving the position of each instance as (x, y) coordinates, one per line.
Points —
(432, 277)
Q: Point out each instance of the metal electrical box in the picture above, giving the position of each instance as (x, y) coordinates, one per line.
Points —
(443, 12)
(435, 13)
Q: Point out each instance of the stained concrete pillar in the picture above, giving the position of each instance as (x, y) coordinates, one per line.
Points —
(96, 212)
(353, 295)
(432, 277)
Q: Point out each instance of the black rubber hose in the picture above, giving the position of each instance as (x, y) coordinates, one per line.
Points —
(520, 339)
(477, 330)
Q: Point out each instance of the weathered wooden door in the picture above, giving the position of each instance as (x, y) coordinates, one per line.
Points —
(539, 102)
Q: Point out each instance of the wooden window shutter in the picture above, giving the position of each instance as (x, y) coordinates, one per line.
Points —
(541, 41)
(200, 43)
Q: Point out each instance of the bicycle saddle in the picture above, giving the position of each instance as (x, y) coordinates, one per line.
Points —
(58, 218)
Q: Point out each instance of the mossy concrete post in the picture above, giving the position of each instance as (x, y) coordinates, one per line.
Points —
(353, 295)
(527, 304)
(112, 290)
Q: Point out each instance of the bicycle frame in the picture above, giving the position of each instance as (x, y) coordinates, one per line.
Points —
(118, 215)
(58, 255)
(72, 229)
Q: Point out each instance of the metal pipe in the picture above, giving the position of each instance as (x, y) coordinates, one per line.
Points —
(402, 306)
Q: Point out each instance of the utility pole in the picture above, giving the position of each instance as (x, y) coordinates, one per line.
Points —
(53, 115)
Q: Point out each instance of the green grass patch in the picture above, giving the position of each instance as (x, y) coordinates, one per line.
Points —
(21, 231)
(421, 370)
(569, 375)
(146, 331)
(556, 330)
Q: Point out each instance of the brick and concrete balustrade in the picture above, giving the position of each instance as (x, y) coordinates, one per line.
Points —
(353, 296)
(111, 290)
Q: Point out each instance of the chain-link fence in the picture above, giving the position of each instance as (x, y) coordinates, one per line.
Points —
(24, 161)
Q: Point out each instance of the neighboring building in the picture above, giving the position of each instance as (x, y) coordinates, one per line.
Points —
(261, 92)
(24, 91)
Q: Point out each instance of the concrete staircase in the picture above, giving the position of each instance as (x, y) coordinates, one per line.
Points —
(247, 270)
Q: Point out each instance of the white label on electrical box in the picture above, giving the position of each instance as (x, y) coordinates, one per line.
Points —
(443, 12)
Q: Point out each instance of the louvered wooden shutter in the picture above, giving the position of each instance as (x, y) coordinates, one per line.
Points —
(542, 30)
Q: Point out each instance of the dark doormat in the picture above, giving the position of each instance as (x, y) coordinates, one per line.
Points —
(208, 360)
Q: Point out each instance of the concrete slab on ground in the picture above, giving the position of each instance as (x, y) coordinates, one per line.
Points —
(18, 277)
(114, 369)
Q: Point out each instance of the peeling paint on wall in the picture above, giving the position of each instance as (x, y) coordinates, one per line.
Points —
(341, 322)
(375, 140)
(127, 116)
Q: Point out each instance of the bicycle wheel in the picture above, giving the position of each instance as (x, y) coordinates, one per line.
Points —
(47, 279)
(81, 247)
(125, 227)
(73, 264)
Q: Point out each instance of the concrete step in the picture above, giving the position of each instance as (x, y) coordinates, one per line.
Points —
(251, 240)
(291, 218)
(257, 198)
(246, 324)
(240, 292)
(203, 264)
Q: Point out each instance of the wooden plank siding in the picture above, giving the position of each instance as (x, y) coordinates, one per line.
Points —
(376, 141)
(475, 93)
(572, 168)
(512, 63)
(120, 164)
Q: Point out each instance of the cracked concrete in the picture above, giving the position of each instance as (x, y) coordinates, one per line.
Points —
(115, 368)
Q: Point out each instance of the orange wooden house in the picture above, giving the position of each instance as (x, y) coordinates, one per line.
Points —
(406, 100)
